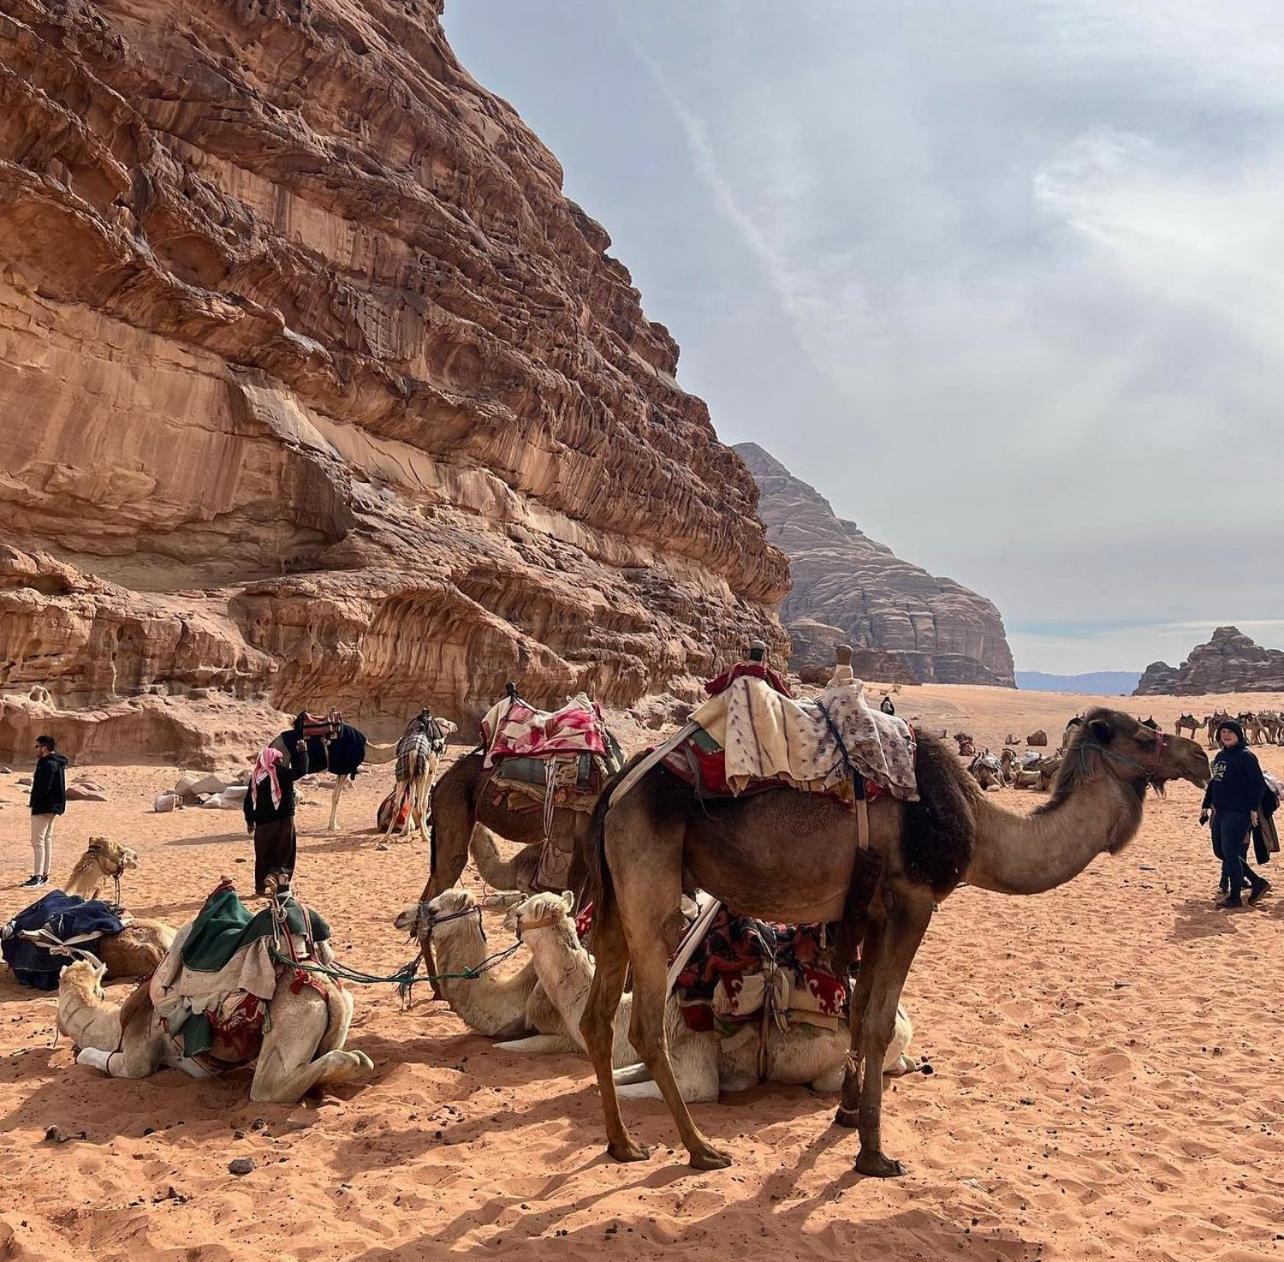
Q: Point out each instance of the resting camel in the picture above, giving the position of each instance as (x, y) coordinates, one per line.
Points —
(792, 857)
(508, 1007)
(418, 754)
(703, 1063)
(1188, 722)
(461, 801)
(141, 945)
(302, 1042)
(518, 872)
(967, 746)
(987, 771)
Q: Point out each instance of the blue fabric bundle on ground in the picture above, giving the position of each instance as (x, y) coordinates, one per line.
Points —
(65, 916)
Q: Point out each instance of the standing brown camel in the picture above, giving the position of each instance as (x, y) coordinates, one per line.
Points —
(1188, 722)
(461, 801)
(792, 857)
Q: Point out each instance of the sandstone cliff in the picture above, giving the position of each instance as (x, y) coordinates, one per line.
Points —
(1229, 662)
(905, 623)
(316, 389)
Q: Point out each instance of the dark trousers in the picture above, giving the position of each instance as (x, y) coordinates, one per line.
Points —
(1230, 841)
(275, 846)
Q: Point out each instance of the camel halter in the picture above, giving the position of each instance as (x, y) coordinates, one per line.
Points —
(1150, 772)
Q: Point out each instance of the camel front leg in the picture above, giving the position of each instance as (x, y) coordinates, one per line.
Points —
(399, 800)
(907, 920)
(286, 1071)
(597, 1024)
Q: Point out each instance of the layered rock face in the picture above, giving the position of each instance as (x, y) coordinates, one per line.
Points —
(1229, 662)
(317, 390)
(904, 623)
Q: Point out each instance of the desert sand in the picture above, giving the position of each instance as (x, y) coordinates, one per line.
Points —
(1106, 1085)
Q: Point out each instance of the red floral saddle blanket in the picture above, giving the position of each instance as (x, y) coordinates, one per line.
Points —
(745, 969)
(702, 763)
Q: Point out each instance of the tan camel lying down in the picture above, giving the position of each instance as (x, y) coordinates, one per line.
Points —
(703, 1063)
(302, 1044)
(138, 949)
(498, 1007)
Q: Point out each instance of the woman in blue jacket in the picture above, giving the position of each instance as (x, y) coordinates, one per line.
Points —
(1233, 799)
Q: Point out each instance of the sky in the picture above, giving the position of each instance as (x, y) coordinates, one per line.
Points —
(1003, 281)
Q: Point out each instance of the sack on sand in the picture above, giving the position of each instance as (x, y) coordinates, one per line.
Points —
(165, 802)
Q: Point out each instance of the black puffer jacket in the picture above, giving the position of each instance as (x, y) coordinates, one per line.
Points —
(1237, 783)
(49, 785)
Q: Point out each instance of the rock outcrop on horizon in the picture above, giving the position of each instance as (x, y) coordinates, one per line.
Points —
(1229, 662)
(904, 623)
(317, 389)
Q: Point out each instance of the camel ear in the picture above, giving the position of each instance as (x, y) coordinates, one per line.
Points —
(1102, 731)
(568, 901)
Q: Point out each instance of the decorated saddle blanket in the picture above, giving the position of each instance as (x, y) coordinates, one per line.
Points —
(744, 969)
(55, 918)
(766, 739)
(574, 781)
(219, 962)
(515, 729)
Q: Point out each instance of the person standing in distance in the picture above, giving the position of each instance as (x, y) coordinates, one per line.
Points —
(1232, 800)
(48, 801)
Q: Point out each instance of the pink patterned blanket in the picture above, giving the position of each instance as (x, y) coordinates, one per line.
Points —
(514, 729)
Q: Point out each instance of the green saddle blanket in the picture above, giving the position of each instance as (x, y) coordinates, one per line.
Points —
(224, 925)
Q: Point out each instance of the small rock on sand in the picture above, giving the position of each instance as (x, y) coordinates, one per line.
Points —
(240, 1165)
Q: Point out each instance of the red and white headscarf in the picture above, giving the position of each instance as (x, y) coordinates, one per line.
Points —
(265, 769)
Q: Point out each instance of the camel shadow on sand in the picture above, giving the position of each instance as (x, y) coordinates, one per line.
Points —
(777, 1209)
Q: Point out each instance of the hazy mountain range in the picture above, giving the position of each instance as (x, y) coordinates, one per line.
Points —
(1098, 683)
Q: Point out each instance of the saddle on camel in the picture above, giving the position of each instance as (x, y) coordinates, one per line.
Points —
(751, 736)
(232, 990)
(546, 761)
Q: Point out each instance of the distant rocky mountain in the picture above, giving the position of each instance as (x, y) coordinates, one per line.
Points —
(904, 623)
(1098, 683)
(1229, 662)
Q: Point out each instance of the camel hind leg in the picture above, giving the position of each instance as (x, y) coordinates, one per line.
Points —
(597, 1024)
(300, 1026)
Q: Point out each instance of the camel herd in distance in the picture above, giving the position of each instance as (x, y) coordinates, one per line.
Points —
(1263, 727)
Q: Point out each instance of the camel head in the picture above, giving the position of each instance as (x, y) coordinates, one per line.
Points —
(540, 911)
(112, 857)
(1129, 750)
(83, 979)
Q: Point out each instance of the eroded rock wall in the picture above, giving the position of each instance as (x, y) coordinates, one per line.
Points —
(317, 389)
(904, 623)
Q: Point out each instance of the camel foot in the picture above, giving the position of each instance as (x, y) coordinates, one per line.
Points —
(877, 1166)
(628, 1151)
(709, 1158)
(845, 1117)
(904, 1065)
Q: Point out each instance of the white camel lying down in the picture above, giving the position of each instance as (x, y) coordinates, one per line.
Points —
(301, 1049)
(703, 1062)
(497, 1007)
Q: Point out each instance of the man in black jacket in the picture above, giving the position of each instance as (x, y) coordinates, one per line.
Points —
(1233, 798)
(48, 801)
(269, 812)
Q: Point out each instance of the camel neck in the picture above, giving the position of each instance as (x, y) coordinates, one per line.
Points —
(1029, 854)
(89, 1022)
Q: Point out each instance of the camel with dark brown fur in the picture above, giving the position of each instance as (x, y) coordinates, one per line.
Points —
(792, 857)
(460, 801)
